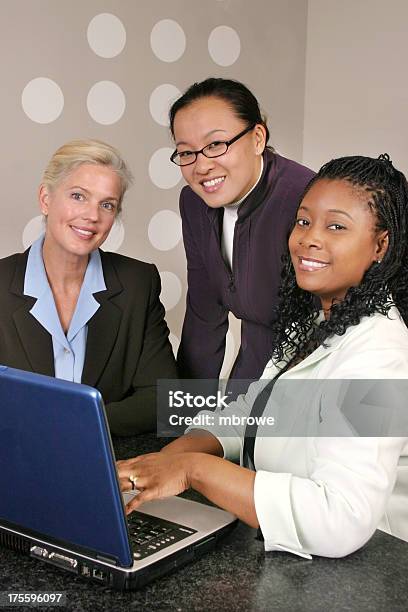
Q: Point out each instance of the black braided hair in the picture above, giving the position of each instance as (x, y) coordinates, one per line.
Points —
(382, 286)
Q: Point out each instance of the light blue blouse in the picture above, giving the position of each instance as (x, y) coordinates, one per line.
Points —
(69, 349)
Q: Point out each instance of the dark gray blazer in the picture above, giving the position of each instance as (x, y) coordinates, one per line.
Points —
(127, 346)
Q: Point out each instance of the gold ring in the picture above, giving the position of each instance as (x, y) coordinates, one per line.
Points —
(133, 480)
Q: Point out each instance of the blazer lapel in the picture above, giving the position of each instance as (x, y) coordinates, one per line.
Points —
(35, 340)
(320, 353)
(103, 328)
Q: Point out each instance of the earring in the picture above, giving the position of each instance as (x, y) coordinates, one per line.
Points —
(379, 261)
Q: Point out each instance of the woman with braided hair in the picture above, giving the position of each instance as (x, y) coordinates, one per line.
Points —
(343, 315)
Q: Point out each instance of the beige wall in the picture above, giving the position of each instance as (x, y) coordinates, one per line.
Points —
(356, 98)
(48, 39)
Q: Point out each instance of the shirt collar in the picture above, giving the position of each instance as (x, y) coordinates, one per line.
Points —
(44, 310)
(36, 281)
(87, 305)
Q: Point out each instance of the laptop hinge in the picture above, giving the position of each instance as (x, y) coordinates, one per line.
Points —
(108, 560)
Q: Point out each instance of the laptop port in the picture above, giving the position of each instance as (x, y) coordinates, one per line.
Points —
(63, 561)
(85, 571)
(38, 551)
(98, 574)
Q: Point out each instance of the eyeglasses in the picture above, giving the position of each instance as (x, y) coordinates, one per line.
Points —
(214, 149)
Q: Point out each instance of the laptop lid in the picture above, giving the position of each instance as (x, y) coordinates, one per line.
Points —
(57, 470)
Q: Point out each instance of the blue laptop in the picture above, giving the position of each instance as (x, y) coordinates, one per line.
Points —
(61, 502)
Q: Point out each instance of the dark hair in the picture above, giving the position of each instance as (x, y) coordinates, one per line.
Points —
(383, 285)
(236, 94)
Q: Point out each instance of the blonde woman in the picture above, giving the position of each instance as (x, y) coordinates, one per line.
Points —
(70, 310)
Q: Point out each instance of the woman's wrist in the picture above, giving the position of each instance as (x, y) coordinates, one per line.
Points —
(196, 441)
(198, 468)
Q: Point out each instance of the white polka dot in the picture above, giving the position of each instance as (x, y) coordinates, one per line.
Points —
(161, 100)
(229, 355)
(171, 290)
(165, 230)
(175, 343)
(42, 100)
(106, 102)
(224, 45)
(33, 230)
(168, 40)
(116, 236)
(106, 35)
(162, 172)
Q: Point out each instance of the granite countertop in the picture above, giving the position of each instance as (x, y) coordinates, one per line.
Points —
(239, 574)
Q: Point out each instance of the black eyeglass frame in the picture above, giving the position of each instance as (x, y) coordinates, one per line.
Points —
(228, 143)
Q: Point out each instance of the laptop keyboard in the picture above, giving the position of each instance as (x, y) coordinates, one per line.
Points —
(150, 534)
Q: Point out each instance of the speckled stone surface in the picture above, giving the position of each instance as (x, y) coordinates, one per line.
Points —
(236, 576)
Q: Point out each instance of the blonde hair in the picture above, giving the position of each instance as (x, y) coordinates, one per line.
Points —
(77, 152)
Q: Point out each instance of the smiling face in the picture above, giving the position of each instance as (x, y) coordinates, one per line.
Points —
(80, 210)
(222, 180)
(334, 240)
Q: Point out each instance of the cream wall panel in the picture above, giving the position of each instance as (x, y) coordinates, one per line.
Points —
(48, 38)
(356, 94)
